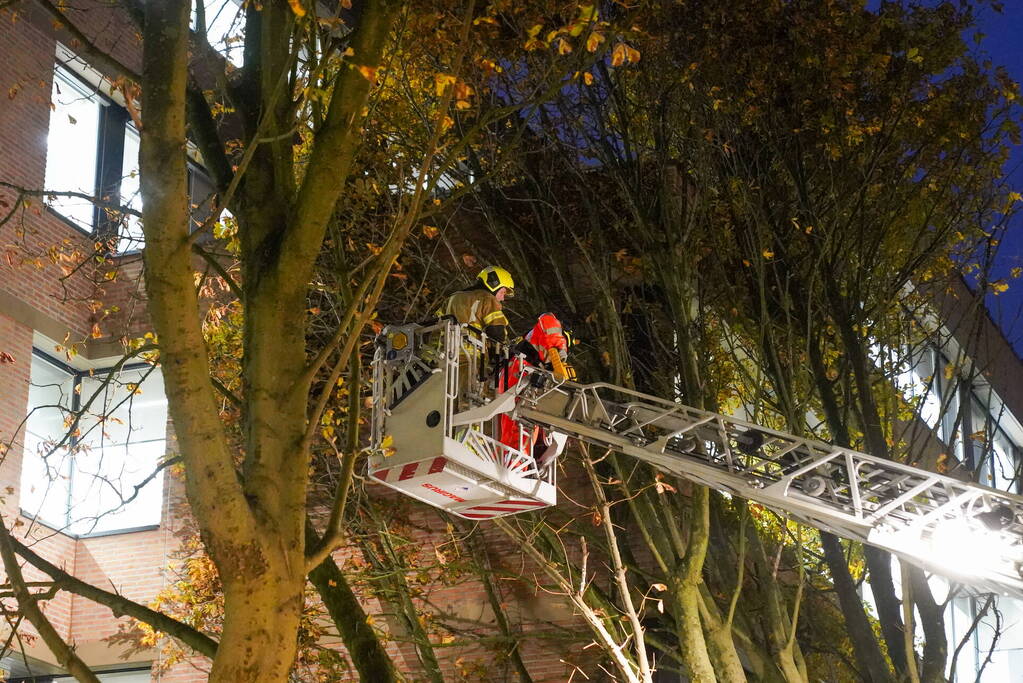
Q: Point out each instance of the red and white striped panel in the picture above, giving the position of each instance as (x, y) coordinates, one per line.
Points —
(504, 507)
(411, 470)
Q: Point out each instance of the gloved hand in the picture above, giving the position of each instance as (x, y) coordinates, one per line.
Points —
(560, 371)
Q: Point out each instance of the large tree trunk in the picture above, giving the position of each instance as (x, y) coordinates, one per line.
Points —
(932, 620)
(261, 562)
(721, 646)
(879, 562)
(865, 646)
(367, 652)
(689, 627)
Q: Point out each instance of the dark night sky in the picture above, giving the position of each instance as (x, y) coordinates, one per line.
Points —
(1003, 42)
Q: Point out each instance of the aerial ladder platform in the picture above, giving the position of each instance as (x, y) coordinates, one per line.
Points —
(437, 398)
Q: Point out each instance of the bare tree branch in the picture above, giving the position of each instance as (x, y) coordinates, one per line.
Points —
(27, 602)
(118, 604)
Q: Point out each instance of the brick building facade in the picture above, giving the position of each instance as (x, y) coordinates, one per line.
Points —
(46, 311)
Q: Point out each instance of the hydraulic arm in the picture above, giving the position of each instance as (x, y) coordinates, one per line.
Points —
(965, 531)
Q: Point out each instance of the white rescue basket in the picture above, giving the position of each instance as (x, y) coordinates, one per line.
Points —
(435, 409)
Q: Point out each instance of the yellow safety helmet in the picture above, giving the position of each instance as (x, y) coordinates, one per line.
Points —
(494, 278)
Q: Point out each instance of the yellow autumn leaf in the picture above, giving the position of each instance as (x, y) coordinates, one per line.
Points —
(563, 46)
(1015, 197)
(593, 41)
(387, 441)
(430, 231)
(297, 8)
(999, 287)
(768, 254)
(588, 78)
(631, 54)
(442, 81)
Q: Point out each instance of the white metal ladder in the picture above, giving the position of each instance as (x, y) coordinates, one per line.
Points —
(967, 532)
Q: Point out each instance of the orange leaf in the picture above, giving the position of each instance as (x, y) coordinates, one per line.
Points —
(368, 72)
(297, 8)
(619, 54)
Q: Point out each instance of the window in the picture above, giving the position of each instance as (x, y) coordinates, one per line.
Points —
(102, 477)
(225, 24)
(72, 146)
(92, 149)
(919, 382)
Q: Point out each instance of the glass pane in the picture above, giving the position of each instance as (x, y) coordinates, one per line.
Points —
(951, 428)
(71, 147)
(980, 448)
(957, 624)
(50, 397)
(225, 26)
(45, 470)
(131, 407)
(1003, 463)
(130, 228)
(45, 482)
(122, 444)
(104, 495)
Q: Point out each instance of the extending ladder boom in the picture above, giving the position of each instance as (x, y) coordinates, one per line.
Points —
(967, 532)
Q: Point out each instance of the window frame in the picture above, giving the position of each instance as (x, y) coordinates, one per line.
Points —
(77, 375)
(110, 168)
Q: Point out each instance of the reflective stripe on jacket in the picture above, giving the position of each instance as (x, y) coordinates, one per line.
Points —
(480, 308)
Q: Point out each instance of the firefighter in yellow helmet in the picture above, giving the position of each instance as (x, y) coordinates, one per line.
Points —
(480, 305)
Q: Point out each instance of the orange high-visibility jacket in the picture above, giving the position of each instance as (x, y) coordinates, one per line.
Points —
(548, 334)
